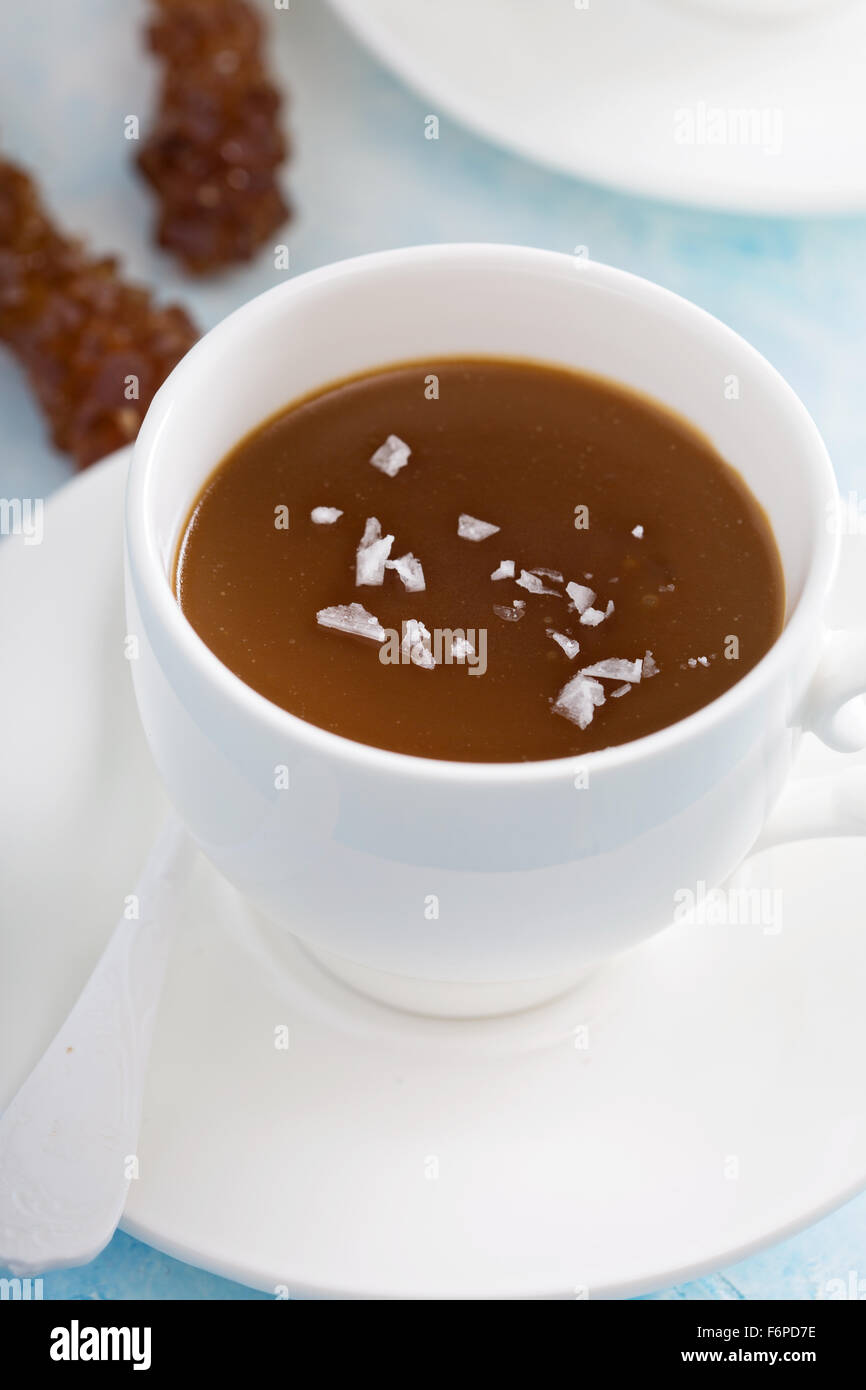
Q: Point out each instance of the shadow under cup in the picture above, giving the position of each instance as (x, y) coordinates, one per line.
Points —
(463, 888)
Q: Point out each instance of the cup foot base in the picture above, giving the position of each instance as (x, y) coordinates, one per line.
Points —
(448, 999)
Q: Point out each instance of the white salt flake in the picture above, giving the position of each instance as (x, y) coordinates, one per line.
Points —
(548, 574)
(533, 584)
(417, 644)
(615, 669)
(505, 570)
(372, 553)
(580, 595)
(637, 531)
(352, 618)
(461, 649)
(469, 528)
(512, 614)
(325, 516)
(620, 690)
(372, 530)
(409, 570)
(649, 666)
(570, 645)
(577, 700)
(591, 617)
(609, 609)
(391, 456)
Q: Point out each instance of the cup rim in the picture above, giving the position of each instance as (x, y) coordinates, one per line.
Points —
(150, 579)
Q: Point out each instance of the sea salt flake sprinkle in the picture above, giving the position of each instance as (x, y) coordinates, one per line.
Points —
(352, 618)
(325, 516)
(533, 584)
(578, 699)
(580, 595)
(620, 690)
(649, 666)
(548, 574)
(637, 531)
(512, 614)
(372, 553)
(615, 669)
(461, 649)
(409, 570)
(591, 617)
(505, 570)
(469, 528)
(417, 644)
(570, 645)
(391, 456)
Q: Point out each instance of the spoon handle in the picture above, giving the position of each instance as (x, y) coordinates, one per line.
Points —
(68, 1138)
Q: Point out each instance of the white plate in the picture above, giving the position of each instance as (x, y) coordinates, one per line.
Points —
(596, 92)
(388, 1155)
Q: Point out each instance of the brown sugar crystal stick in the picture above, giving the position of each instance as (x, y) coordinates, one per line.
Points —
(216, 145)
(95, 348)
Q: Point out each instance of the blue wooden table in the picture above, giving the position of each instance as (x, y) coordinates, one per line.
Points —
(363, 178)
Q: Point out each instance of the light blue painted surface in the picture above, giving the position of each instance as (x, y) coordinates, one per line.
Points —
(364, 178)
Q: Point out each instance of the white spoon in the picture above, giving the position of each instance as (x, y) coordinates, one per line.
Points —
(68, 1138)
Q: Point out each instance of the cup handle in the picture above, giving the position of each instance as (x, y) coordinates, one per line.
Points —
(813, 808)
(831, 708)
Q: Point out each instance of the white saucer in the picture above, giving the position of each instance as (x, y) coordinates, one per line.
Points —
(384, 1154)
(593, 90)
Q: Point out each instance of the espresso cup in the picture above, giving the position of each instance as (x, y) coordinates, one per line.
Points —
(461, 888)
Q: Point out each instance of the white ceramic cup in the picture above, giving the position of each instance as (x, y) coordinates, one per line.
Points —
(464, 888)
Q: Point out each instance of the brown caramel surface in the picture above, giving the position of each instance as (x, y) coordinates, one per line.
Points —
(539, 452)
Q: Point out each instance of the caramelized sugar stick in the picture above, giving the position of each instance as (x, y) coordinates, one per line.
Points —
(213, 153)
(95, 349)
